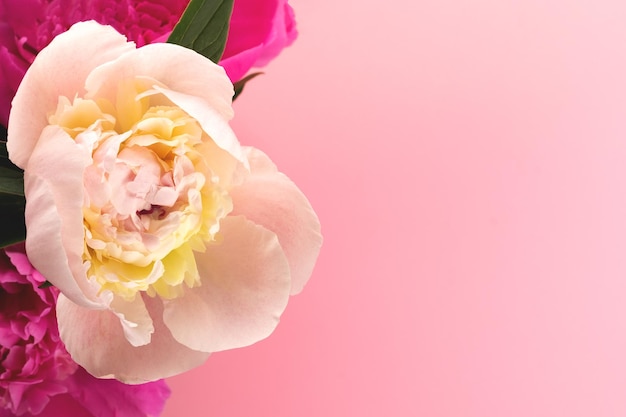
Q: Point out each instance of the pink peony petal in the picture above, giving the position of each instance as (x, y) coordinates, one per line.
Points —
(239, 64)
(258, 32)
(250, 24)
(109, 398)
(270, 199)
(63, 405)
(97, 342)
(68, 62)
(21, 263)
(92, 397)
(245, 288)
(283, 33)
(54, 213)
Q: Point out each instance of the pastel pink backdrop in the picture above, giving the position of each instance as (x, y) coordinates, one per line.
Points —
(468, 162)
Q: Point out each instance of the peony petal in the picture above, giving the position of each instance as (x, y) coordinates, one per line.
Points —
(54, 214)
(135, 320)
(244, 289)
(270, 199)
(96, 341)
(211, 121)
(110, 398)
(222, 164)
(68, 60)
(190, 81)
(258, 32)
(178, 68)
(283, 33)
(250, 24)
(239, 64)
(62, 405)
(17, 255)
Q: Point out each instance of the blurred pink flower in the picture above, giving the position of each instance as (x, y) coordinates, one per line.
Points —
(37, 375)
(259, 30)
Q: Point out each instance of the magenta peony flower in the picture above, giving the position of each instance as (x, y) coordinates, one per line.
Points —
(37, 375)
(259, 30)
(34, 363)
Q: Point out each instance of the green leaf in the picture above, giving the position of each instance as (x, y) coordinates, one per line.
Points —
(239, 85)
(203, 27)
(46, 284)
(12, 219)
(11, 182)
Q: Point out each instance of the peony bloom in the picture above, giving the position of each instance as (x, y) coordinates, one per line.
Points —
(259, 30)
(37, 375)
(167, 239)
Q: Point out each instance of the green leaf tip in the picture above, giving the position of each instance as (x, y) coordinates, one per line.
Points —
(203, 27)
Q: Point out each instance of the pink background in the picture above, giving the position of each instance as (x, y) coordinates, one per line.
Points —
(467, 159)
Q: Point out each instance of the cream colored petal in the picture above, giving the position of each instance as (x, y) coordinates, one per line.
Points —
(179, 69)
(54, 217)
(212, 122)
(226, 167)
(270, 199)
(244, 289)
(135, 320)
(189, 80)
(67, 60)
(96, 341)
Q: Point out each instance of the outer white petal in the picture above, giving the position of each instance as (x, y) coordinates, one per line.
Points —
(244, 289)
(53, 183)
(96, 341)
(269, 198)
(59, 70)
